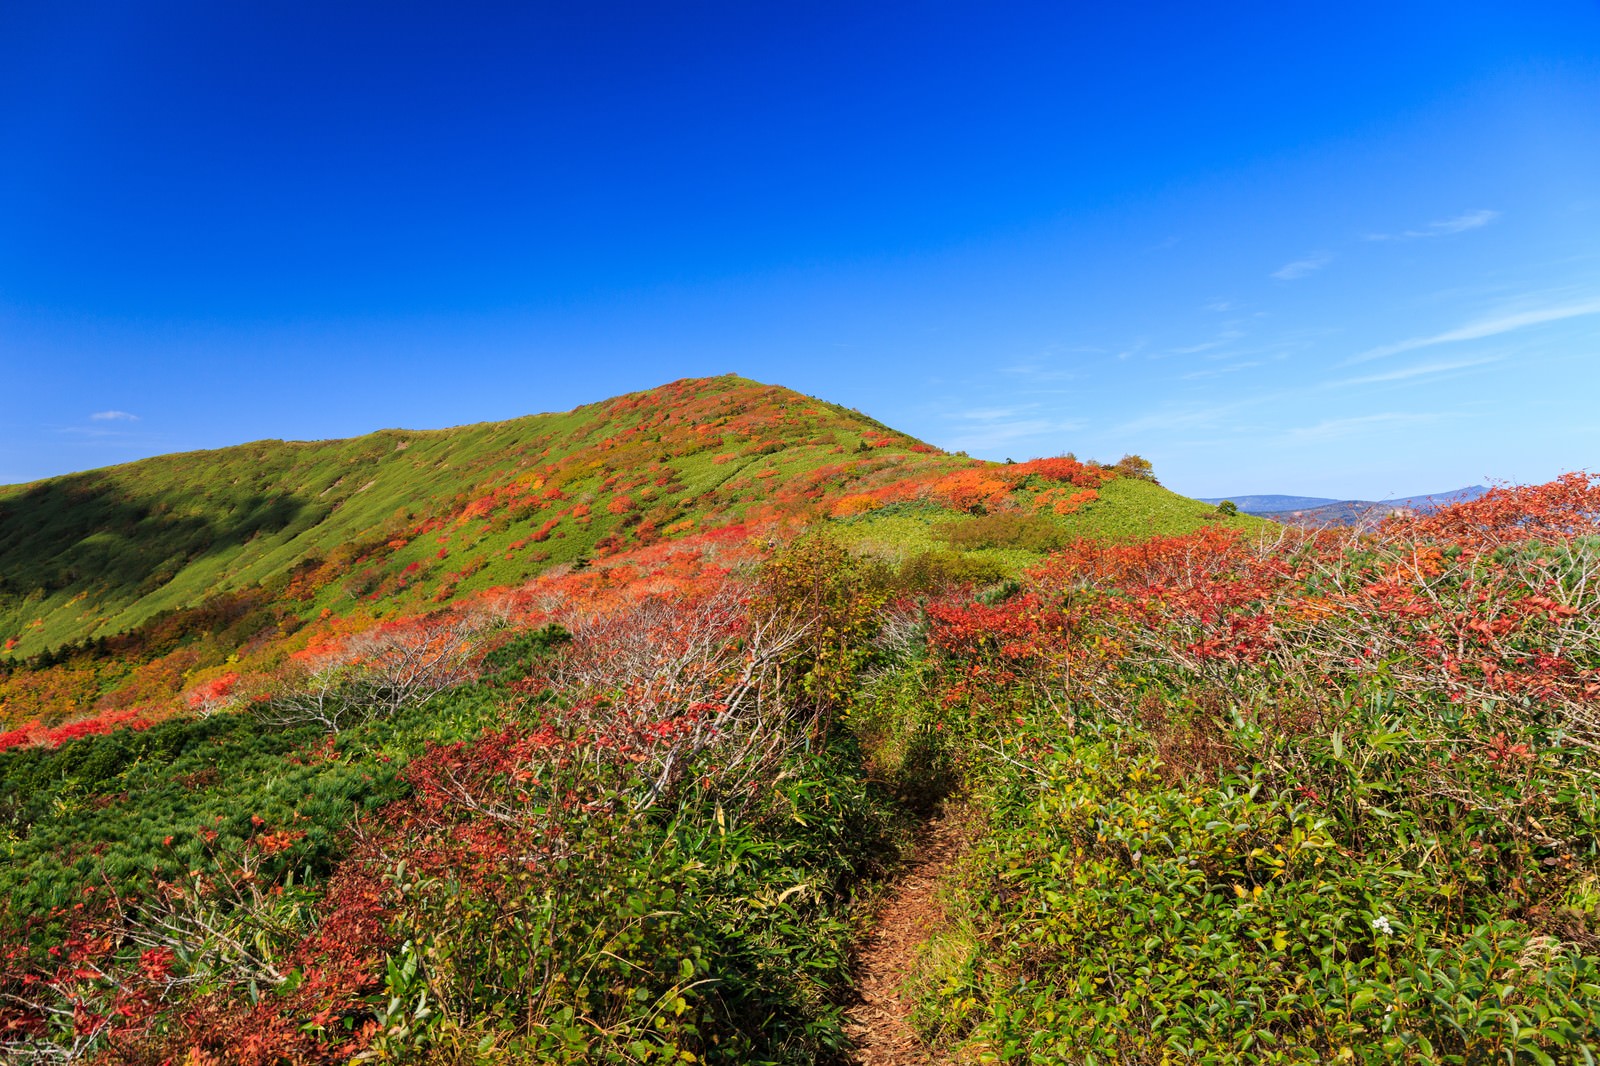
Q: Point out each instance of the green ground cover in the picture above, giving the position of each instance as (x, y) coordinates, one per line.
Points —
(1331, 802)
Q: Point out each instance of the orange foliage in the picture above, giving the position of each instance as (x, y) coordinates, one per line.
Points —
(860, 503)
(1063, 502)
(1066, 470)
(973, 488)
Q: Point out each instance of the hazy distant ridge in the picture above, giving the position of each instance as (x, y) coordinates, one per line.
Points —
(1321, 511)
(1266, 504)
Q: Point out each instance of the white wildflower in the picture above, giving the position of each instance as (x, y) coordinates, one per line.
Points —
(1381, 924)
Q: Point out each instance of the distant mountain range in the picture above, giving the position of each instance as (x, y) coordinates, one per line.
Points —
(1322, 511)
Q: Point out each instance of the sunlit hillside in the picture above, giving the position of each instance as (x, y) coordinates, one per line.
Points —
(131, 585)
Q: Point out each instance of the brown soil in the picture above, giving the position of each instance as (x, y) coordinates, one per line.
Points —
(880, 1023)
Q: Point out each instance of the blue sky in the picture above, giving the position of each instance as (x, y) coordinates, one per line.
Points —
(1342, 250)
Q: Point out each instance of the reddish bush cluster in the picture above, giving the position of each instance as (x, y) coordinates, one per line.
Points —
(104, 722)
(1488, 600)
(211, 695)
(1065, 470)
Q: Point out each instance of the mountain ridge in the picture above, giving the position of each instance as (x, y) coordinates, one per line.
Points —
(243, 513)
(1319, 510)
(179, 562)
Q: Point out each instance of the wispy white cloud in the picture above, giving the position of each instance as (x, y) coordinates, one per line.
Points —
(990, 428)
(1227, 336)
(1217, 417)
(1233, 368)
(1423, 370)
(105, 427)
(1302, 267)
(1488, 327)
(1133, 349)
(1038, 372)
(999, 433)
(1221, 305)
(1332, 428)
(1470, 220)
(993, 414)
(1442, 228)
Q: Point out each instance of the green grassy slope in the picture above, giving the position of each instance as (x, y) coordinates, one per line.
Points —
(1128, 509)
(99, 552)
(397, 520)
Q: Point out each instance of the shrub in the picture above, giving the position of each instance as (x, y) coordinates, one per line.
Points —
(1135, 466)
(1129, 916)
(1034, 533)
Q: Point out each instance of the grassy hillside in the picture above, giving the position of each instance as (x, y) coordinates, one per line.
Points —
(99, 552)
(175, 566)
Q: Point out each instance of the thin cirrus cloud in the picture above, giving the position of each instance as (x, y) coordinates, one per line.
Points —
(996, 434)
(1489, 327)
(1302, 267)
(1443, 228)
(1227, 336)
(1420, 371)
(994, 427)
(1333, 428)
(1034, 372)
(1467, 220)
(1221, 417)
(1196, 375)
(114, 416)
(994, 414)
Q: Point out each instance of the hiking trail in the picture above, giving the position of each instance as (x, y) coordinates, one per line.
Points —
(880, 1023)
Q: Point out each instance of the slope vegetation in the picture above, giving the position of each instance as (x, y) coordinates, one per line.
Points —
(124, 588)
(1329, 798)
(99, 552)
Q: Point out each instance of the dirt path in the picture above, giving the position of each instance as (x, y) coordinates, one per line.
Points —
(879, 1023)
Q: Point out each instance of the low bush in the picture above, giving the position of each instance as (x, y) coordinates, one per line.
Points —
(1131, 917)
(1028, 532)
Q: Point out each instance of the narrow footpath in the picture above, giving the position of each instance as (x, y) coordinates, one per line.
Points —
(880, 1023)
